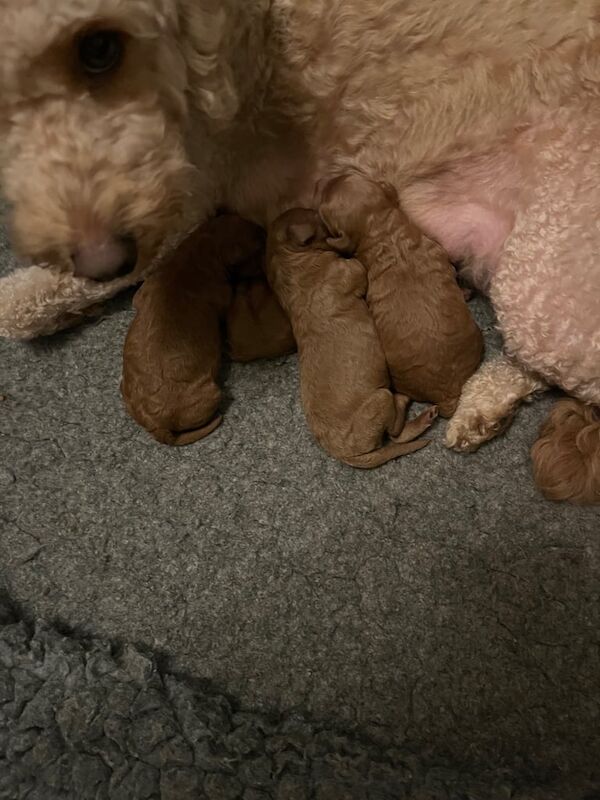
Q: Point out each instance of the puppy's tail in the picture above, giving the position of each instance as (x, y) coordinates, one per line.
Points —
(566, 457)
(386, 453)
(182, 438)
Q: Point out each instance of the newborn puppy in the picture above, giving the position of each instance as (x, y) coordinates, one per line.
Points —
(172, 352)
(431, 342)
(343, 374)
(257, 325)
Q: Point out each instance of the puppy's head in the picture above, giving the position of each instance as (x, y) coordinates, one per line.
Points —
(94, 110)
(345, 205)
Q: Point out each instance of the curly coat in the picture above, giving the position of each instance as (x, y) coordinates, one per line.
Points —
(484, 114)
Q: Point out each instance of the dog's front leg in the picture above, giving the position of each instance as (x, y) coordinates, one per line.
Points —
(489, 402)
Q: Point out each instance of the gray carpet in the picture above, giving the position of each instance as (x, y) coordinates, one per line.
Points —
(81, 720)
(437, 604)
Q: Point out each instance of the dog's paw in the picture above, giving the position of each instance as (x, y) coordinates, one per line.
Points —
(469, 428)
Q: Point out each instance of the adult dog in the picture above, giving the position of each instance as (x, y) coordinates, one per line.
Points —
(121, 118)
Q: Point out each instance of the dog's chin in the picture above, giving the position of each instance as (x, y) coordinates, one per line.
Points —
(124, 271)
(129, 268)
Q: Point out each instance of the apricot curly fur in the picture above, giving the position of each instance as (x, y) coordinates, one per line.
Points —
(484, 116)
(566, 457)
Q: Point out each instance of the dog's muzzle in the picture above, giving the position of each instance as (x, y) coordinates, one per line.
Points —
(105, 258)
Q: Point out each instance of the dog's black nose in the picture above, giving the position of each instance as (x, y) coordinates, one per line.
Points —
(105, 257)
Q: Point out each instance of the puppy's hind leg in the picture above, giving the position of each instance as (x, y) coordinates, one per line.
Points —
(376, 417)
(182, 438)
(386, 453)
(408, 431)
(401, 404)
(489, 402)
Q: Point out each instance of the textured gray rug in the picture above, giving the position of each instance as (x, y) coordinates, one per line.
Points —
(80, 720)
(438, 603)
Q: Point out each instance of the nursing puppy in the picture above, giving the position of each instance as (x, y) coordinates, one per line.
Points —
(121, 120)
(172, 352)
(257, 325)
(343, 374)
(431, 343)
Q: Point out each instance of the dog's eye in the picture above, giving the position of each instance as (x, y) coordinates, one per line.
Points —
(100, 51)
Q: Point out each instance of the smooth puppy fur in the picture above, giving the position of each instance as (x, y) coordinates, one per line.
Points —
(431, 342)
(343, 374)
(172, 352)
(122, 119)
(257, 325)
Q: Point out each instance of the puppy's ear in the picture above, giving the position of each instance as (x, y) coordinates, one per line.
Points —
(302, 233)
(342, 244)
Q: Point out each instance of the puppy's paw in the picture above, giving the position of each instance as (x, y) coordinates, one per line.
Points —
(416, 426)
(469, 428)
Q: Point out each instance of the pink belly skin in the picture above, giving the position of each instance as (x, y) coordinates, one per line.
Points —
(470, 207)
(524, 218)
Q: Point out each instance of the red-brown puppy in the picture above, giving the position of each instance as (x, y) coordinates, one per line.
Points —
(257, 325)
(172, 352)
(431, 342)
(343, 374)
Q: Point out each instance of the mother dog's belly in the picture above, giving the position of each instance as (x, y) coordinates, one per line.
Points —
(470, 224)
(546, 285)
(472, 205)
(525, 218)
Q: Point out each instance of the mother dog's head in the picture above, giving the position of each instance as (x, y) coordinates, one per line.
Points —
(95, 112)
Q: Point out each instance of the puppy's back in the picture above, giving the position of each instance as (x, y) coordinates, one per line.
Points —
(445, 337)
(172, 352)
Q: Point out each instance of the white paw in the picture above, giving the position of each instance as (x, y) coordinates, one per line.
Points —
(470, 427)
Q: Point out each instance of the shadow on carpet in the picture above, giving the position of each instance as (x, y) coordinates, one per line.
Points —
(81, 719)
